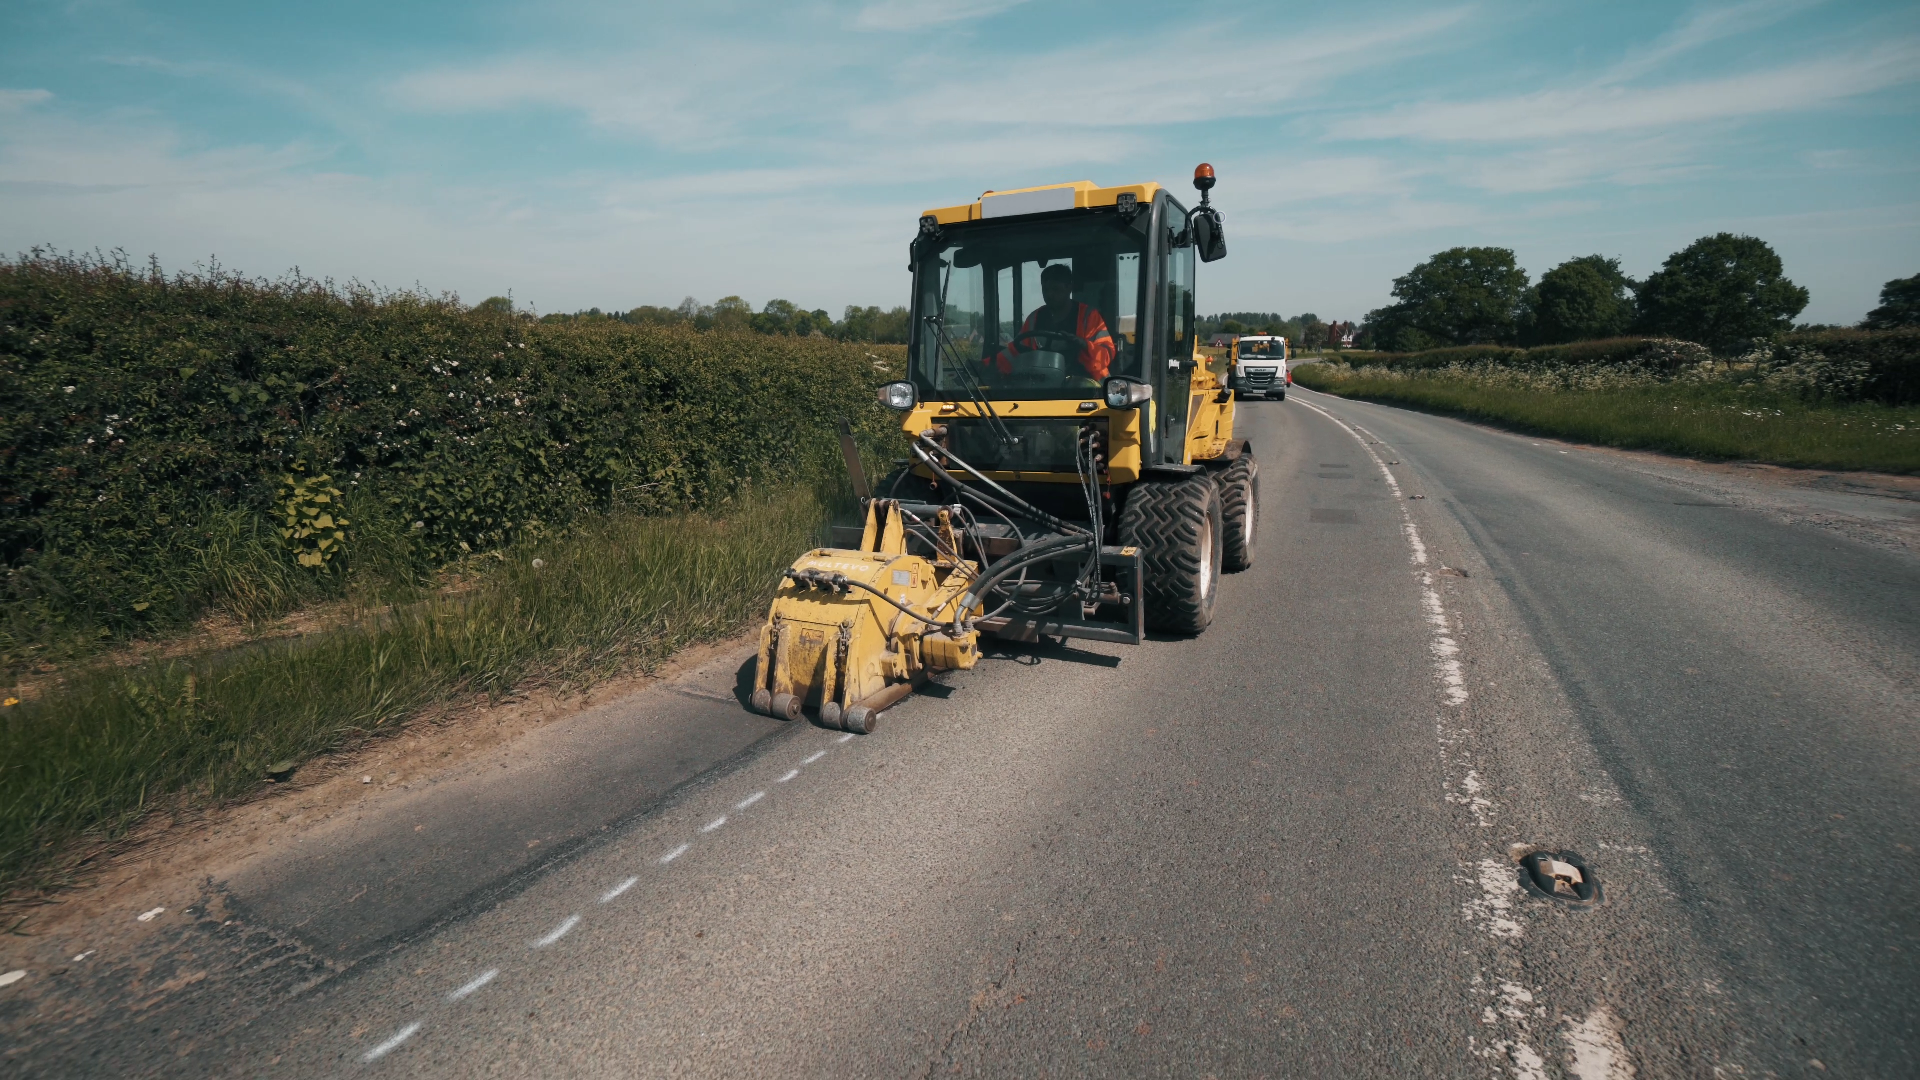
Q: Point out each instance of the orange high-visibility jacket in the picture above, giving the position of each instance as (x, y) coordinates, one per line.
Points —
(1096, 356)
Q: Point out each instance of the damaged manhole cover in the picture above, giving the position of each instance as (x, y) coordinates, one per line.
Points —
(1560, 875)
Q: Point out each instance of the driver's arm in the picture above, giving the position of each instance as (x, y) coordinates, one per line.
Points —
(1097, 354)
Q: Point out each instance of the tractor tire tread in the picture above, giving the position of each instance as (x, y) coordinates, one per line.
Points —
(1239, 507)
(1164, 520)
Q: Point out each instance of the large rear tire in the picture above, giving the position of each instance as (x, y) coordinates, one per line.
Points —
(1240, 512)
(1177, 527)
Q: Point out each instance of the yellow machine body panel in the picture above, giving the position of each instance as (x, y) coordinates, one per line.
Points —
(1125, 428)
(1210, 412)
(1085, 193)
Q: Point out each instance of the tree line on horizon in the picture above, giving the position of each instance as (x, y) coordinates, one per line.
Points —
(1721, 291)
(778, 317)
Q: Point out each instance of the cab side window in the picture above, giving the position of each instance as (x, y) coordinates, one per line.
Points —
(1179, 298)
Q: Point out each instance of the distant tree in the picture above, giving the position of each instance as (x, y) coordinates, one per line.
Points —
(873, 324)
(1721, 291)
(1311, 334)
(1899, 305)
(499, 305)
(731, 313)
(649, 315)
(1461, 296)
(1232, 326)
(1579, 300)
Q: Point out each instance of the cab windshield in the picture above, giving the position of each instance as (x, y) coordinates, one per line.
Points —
(1030, 308)
(1262, 348)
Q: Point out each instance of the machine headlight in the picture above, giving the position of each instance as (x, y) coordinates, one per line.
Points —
(1125, 393)
(899, 395)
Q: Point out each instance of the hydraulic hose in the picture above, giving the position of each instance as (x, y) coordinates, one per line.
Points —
(841, 582)
(1024, 506)
(965, 491)
(1045, 549)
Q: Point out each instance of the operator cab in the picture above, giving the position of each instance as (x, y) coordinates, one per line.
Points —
(986, 330)
(980, 283)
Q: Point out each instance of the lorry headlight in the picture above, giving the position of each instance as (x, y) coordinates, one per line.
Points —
(898, 395)
(1125, 393)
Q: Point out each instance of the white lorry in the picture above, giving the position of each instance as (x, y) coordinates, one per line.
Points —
(1260, 367)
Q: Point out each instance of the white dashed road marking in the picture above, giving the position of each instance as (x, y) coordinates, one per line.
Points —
(565, 927)
(476, 983)
(399, 1037)
(149, 916)
(558, 932)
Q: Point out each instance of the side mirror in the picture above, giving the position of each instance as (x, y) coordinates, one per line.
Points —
(1125, 393)
(1208, 235)
(899, 395)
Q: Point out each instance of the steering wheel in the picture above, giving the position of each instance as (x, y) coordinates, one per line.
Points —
(1051, 340)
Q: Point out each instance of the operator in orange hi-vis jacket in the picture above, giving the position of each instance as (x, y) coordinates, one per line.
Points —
(1061, 314)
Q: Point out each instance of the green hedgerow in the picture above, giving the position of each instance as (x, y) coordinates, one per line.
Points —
(146, 423)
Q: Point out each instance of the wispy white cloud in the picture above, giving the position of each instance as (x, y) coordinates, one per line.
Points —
(1624, 162)
(1131, 82)
(691, 96)
(1597, 109)
(17, 100)
(1702, 28)
(914, 14)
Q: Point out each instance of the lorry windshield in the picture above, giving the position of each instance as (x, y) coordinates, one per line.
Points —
(1269, 347)
(1031, 308)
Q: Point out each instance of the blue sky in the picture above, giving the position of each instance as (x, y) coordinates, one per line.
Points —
(597, 154)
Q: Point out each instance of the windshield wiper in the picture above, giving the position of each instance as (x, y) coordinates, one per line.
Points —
(951, 354)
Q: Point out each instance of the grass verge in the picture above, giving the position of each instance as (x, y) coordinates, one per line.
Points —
(1698, 420)
(615, 592)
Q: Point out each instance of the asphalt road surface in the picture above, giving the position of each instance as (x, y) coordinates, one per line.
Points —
(1283, 848)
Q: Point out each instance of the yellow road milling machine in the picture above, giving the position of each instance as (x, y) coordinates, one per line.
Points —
(1074, 468)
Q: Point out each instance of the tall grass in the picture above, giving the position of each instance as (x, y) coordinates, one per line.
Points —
(615, 591)
(1729, 415)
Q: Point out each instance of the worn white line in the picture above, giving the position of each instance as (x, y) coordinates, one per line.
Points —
(675, 853)
(817, 755)
(618, 889)
(384, 1048)
(714, 824)
(750, 800)
(1598, 1053)
(1491, 881)
(845, 737)
(558, 932)
(791, 773)
(476, 983)
(149, 916)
